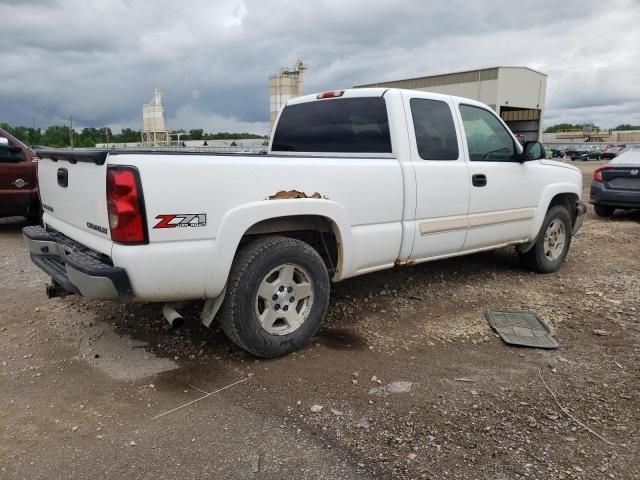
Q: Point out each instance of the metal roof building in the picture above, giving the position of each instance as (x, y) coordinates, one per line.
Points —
(517, 94)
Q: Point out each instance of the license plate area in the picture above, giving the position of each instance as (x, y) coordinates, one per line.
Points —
(624, 183)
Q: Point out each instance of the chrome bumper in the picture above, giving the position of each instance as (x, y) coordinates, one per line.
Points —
(74, 268)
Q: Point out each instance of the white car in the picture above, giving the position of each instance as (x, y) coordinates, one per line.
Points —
(355, 181)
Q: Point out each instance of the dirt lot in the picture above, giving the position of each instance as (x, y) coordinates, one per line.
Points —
(81, 381)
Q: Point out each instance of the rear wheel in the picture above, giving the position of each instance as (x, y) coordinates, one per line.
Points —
(277, 296)
(552, 244)
(604, 210)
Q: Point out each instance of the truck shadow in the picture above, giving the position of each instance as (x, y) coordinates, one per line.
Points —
(625, 215)
(194, 344)
(13, 224)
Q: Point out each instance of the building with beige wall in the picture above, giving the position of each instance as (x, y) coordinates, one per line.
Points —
(517, 94)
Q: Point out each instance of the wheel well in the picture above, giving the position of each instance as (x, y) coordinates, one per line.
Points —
(567, 200)
(317, 231)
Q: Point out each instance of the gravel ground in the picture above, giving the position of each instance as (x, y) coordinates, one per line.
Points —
(405, 379)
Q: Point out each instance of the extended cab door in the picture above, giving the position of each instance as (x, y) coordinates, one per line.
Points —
(442, 176)
(504, 192)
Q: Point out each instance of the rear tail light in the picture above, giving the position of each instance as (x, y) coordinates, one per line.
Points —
(125, 205)
(597, 175)
(332, 94)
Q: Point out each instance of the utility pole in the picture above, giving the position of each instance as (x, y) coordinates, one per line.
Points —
(71, 131)
(33, 133)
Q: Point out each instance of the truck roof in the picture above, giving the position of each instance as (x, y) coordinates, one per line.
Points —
(379, 92)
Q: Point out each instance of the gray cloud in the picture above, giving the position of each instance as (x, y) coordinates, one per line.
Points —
(100, 61)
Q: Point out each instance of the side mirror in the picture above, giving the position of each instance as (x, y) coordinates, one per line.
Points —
(534, 151)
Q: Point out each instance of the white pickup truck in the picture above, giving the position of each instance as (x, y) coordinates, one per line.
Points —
(355, 181)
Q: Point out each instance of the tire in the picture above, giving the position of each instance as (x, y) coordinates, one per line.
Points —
(545, 257)
(604, 210)
(277, 267)
(34, 215)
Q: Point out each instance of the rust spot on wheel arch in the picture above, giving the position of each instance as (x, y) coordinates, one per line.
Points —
(290, 194)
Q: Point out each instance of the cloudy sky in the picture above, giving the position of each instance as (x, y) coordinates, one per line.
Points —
(100, 60)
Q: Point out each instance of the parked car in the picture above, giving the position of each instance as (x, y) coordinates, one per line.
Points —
(611, 151)
(617, 184)
(18, 179)
(355, 181)
(594, 153)
(558, 152)
(584, 152)
(578, 152)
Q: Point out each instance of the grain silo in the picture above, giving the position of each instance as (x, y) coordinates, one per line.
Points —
(283, 86)
(154, 129)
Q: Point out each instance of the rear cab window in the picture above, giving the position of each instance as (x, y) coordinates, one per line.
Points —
(342, 125)
(436, 137)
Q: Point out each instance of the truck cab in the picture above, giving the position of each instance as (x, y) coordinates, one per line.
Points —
(18, 178)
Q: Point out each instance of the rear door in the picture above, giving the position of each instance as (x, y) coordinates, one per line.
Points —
(442, 176)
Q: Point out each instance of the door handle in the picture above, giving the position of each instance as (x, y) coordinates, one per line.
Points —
(479, 180)
(63, 177)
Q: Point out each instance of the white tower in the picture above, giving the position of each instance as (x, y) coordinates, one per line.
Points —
(283, 86)
(154, 129)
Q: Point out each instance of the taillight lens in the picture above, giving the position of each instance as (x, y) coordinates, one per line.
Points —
(125, 206)
(597, 175)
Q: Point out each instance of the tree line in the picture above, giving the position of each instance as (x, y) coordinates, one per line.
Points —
(579, 126)
(61, 135)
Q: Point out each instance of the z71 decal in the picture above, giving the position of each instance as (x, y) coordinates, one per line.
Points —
(181, 220)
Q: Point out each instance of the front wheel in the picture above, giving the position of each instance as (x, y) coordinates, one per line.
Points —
(277, 296)
(552, 244)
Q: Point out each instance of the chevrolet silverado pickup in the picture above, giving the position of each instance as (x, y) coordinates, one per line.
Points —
(354, 181)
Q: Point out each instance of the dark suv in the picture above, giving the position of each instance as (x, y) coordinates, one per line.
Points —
(18, 179)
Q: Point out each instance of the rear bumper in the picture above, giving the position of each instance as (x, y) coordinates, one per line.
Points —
(581, 213)
(75, 268)
(616, 198)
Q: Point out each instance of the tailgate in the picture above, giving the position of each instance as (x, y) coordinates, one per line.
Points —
(73, 193)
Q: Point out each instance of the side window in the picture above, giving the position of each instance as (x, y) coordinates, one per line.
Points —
(12, 152)
(435, 133)
(487, 139)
